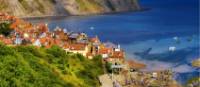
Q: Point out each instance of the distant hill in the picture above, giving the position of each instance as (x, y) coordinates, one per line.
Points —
(23, 8)
(28, 66)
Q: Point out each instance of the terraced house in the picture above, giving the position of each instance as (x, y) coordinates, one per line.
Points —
(25, 33)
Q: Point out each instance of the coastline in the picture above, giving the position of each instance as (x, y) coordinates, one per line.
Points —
(84, 15)
(152, 27)
(143, 72)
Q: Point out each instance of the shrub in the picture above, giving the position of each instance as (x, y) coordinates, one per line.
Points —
(56, 51)
(108, 67)
(5, 28)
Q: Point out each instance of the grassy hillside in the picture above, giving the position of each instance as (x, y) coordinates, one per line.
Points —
(89, 6)
(3, 5)
(28, 66)
(27, 8)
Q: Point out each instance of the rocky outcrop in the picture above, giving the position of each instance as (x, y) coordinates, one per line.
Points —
(66, 7)
(85, 7)
(27, 7)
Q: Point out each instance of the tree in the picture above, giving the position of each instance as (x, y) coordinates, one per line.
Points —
(5, 28)
(108, 67)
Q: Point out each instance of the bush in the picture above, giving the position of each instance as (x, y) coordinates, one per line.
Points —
(30, 49)
(5, 29)
(5, 50)
(108, 67)
(56, 51)
(80, 57)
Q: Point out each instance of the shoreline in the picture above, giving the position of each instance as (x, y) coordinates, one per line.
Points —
(46, 16)
(84, 15)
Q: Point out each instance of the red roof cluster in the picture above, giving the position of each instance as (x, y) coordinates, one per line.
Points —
(39, 35)
(77, 46)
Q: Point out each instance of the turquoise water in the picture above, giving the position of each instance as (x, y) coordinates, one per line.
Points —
(146, 36)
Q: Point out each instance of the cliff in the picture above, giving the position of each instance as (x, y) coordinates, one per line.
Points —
(24, 8)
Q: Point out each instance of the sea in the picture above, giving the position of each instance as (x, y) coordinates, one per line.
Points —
(164, 36)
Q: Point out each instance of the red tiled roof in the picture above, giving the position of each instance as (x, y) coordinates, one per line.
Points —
(2, 14)
(42, 27)
(14, 24)
(57, 41)
(104, 51)
(66, 46)
(95, 39)
(18, 23)
(43, 40)
(61, 34)
(32, 40)
(77, 46)
(118, 54)
(7, 41)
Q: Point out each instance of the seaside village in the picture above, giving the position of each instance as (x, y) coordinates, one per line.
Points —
(130, 73)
